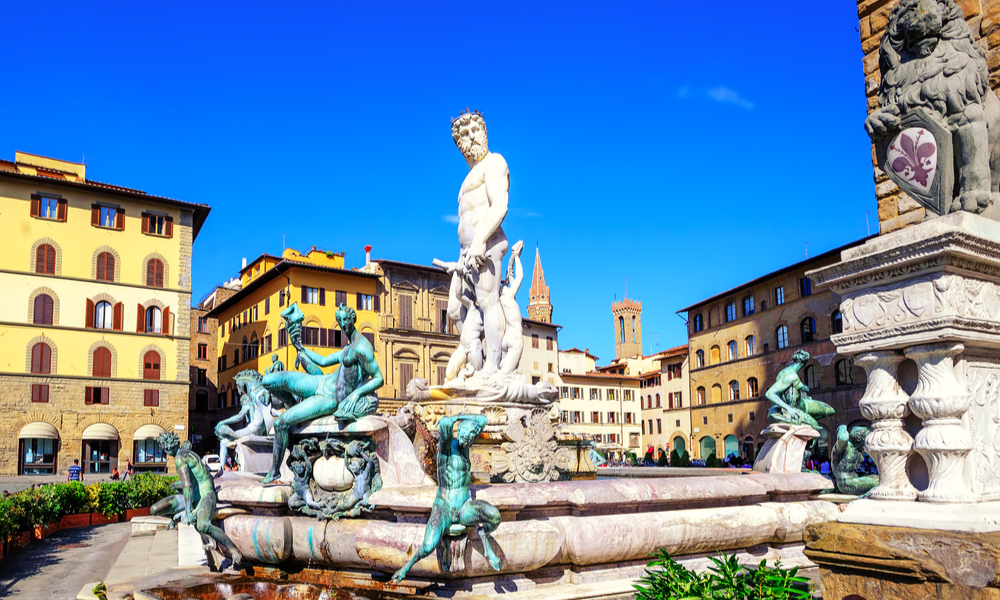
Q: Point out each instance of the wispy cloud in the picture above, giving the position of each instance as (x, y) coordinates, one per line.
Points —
(683, 91)
(450, 219)
(532, 214)
(728, 96)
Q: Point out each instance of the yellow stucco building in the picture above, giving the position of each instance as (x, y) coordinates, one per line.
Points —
(96, 282)
(251, 329)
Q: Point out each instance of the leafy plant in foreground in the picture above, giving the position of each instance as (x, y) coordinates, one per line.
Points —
(726, 579)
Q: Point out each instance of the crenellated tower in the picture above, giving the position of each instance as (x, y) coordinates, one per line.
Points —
(539, 300)
(628, 328)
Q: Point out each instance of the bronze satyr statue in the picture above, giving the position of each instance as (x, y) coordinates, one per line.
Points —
(792, 404)
(199, 495)
(848, 452)
(454, 510)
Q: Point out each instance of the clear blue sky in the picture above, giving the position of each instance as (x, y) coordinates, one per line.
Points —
(688, 147)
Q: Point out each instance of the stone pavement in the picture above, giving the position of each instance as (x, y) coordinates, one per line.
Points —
(20, 482)
(56, 568)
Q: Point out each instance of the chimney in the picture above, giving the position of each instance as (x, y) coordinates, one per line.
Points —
(368, 255)
(244, 263)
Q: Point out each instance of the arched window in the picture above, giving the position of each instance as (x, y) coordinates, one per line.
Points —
(41, 358)
(254, 346)
(699, 359)
(42, 314)
(649, 401)
(782, 335)
(716, 355)
(843, 370)
(707, 444)
(808, 329)
(716, 393)
(748, 306)
(810, 375)
(698, 323)
(102, 362)
(657, 401)
(701, 396)
(732, 350)
(633, 329)
(45, 260)
(104, 315)
(105, 267)
(151, 365)
(837, 322)
(734, 390)
(621, 327)
(154, 320)
(244, 350)
(154, 273)
(751, 344)
(752, 389)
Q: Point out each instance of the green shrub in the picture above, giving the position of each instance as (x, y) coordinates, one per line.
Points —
(726, 579)
(679, 459)
(714, 463)
(661, 460)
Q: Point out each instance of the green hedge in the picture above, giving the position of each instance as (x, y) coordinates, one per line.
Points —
(49, 503)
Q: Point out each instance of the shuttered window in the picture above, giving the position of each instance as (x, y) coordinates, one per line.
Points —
(151, 365)
(97, 395)
(406, 311)
(41, 358)
(105, 267)
(45, 260)
(442, 316)
(39, 392)
(442, 372)
(154, 273)
(151, 398)
(157, 225)
(42, 314)
(102, 363)
(405, 375)
(341, 298)
(44, 207)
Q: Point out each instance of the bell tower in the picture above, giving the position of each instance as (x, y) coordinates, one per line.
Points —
(539, 300)
(628, 328)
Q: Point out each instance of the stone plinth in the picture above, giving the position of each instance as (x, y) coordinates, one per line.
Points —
(870, 562)
(785, 448)
(929, 294)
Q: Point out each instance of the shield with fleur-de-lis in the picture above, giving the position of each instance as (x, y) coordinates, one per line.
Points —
(919, 160)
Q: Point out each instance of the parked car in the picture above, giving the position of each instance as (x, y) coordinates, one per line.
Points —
(212, 461)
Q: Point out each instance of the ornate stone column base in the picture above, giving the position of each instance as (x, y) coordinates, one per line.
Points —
(785, 448)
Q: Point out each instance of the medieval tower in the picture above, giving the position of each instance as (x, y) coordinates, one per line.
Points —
(539, 301)
(628, 328)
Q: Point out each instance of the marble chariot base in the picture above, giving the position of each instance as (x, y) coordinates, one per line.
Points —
(552, 534)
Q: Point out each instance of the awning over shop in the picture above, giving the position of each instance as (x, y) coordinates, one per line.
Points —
(148, 431)
(100, 431)
(39, 429)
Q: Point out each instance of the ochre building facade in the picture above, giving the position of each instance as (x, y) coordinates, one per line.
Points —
(95, 319)
(738, 342)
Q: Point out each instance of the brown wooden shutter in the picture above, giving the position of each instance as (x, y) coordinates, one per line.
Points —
(303, 290)
(90, 314)
(322, 296)
(267, 305)
(168, 226)
(377, 305)
(46, 358)
(405, 311)
(159, 274)
(405, 375)
(442, 373)
(140, 323)
(357, 301)
(50, 260)
(145, 222)
(61, 207)
(105, 395)
(119, 313)
(322, 338)
(35, 209)
(166, 321)
(120, 219)
(88, 395)
(95, 214)
(281, 298)
(36, 358)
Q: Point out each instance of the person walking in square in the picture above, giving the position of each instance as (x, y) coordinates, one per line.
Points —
(129, 470)
(75, 472)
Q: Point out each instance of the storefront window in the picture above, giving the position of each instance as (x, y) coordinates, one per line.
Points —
(149, 456)
(38, 456)
(100, 456)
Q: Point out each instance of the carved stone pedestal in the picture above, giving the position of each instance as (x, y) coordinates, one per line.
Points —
(929, 294)
(785, 448)
(519, 445)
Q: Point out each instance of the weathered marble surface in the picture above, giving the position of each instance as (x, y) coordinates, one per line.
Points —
(785, 449)
(530, 545)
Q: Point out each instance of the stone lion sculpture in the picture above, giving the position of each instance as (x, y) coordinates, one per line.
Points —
(929, 59)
